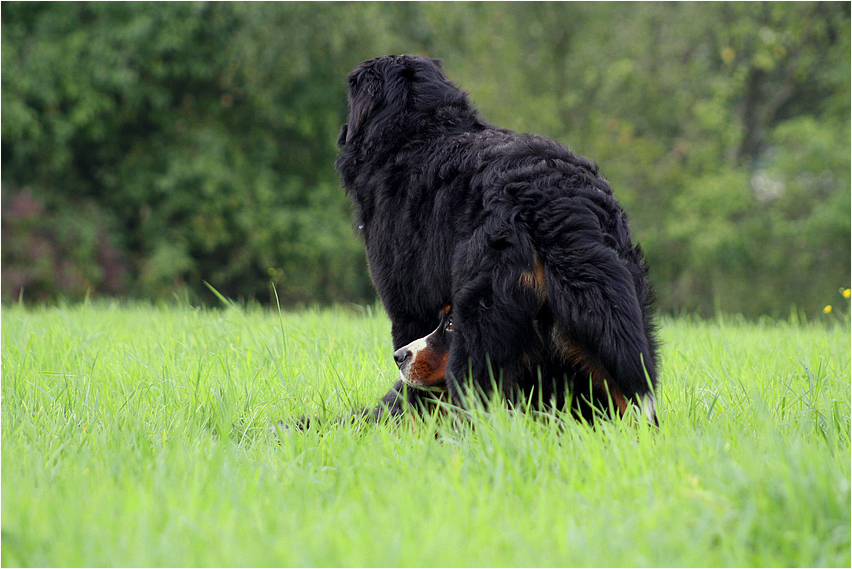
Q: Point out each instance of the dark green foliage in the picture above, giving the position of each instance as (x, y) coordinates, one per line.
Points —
(207, 131)
(165, 145)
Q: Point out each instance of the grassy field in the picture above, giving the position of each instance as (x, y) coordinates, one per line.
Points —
(138, 435)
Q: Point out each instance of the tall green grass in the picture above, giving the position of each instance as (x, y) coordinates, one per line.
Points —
(139, 435)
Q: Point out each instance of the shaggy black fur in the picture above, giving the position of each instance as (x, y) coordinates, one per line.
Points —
(522, 237)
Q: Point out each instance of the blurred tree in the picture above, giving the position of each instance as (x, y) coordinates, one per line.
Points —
(207, 130)
(164, 145)
(690, 108)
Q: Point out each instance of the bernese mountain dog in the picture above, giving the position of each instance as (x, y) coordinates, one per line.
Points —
(520, 236)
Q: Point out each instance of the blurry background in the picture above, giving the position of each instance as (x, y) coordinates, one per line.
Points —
(149, 147)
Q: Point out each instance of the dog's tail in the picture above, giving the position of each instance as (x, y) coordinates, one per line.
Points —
(601, 306)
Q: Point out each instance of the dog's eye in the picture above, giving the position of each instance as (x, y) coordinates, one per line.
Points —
(448, 327)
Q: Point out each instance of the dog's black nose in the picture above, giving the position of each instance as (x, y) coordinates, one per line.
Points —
(401, 356)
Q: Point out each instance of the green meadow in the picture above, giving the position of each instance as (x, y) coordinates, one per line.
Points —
(140, 435)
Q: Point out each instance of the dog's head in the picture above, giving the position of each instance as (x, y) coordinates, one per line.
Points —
(388, 87)
(423, 363)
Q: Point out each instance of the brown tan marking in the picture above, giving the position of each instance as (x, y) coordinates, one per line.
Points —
(534, 279)
(428, 368)
(614, 392)
(601, 381)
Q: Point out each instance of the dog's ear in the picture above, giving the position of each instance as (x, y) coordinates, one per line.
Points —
(360, 109)
(362, 92)
(439, 63)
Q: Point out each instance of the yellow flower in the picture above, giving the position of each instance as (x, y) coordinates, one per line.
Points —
(847, 293)
(827, 309)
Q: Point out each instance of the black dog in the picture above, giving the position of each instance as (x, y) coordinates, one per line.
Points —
(523, 238)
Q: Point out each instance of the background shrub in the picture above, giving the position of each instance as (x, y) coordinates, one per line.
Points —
(148, 149)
